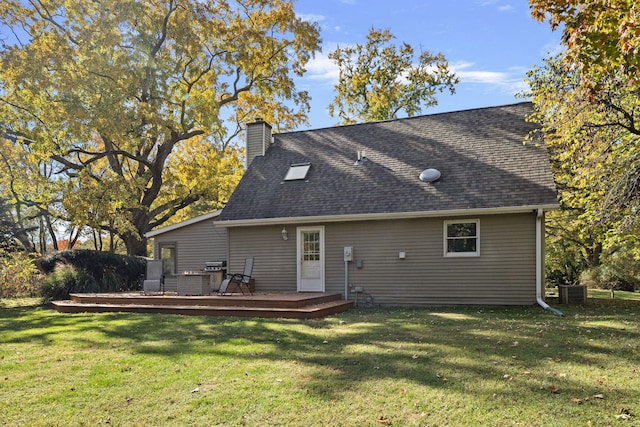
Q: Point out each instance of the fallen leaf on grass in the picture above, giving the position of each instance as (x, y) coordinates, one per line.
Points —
(195, 390)
(576, 400)
(624, 411)
(598, 396)
(553, 389)
(384, 420)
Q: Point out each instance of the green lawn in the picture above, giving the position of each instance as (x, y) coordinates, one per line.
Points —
(393, 366)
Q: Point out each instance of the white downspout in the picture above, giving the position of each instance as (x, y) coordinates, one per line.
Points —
(539, 272)
(346, 280)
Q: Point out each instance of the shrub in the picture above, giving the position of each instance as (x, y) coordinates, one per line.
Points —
(66, 280)
(19, 275)
(607, 277)
(90, 271)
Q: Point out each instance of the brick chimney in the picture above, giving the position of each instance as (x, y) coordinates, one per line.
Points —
(258, 139)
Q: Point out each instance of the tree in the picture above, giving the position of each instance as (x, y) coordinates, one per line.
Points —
(601, 36)
(588, 102)
(116, 91)
(8, 241)
(31, 197)
(378, 80)
(595, 137)
(592, 139)
(588, 98)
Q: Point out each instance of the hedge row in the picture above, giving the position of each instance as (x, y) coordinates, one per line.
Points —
(89, 271)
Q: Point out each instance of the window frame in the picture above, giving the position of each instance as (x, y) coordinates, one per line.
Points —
(446, 238)
(174, 246)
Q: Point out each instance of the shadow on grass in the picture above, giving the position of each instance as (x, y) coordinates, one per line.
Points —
(486, 351)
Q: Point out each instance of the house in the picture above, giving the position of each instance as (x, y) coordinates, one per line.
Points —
(188, 246)
(440, 209)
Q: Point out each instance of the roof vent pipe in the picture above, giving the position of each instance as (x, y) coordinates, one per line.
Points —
(362, 158)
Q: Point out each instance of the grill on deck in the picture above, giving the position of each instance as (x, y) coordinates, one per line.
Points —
(213, 266)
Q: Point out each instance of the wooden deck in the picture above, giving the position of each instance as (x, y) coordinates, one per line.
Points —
(308, 305)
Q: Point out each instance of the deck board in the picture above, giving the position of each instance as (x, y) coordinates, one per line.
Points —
(284, 305)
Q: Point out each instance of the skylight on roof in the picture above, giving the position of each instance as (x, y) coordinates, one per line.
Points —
(297, 171)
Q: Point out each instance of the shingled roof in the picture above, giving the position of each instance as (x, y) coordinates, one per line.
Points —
(484, 164)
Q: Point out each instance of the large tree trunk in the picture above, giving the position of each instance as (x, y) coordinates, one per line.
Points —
(136, 245)
(593, 252)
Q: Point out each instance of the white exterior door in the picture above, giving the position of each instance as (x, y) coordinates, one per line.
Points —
(310, 259)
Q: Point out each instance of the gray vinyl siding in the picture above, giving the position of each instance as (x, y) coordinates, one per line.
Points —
(195, 244)
(503, 274)
(258, 140)
(274, 267)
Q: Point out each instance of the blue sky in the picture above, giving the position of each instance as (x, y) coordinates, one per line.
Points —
(490, 44)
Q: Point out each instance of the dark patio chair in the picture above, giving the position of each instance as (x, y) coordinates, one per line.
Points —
(154, 279)
(239, 280)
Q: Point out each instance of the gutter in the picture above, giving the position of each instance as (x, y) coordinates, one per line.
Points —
(539, 272)
(381, 216)
(184, 223)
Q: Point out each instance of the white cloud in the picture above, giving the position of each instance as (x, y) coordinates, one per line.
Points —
(510, 81)
(311, 17)
(500, 8)
(322, 68)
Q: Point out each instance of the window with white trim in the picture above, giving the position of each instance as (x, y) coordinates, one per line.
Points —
(462, 238)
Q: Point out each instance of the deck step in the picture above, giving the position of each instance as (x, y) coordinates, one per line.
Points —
(302, 311)
(290, 300)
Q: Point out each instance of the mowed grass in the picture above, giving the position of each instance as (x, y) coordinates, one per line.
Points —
(386, 366)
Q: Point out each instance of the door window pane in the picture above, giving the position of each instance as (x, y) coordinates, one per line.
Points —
(311, 246)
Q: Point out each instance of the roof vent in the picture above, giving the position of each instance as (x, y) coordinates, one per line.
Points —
(430, 175)
(362, 158)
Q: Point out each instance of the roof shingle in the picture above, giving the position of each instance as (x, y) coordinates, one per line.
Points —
(480, 153)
